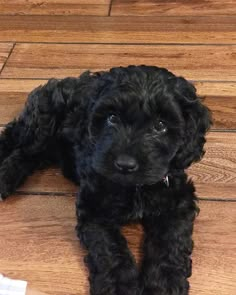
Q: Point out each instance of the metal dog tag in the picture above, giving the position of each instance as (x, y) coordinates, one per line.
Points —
(166, 180)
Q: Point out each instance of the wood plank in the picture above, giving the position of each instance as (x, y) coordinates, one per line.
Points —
(223, 111)
(214, 176)
(38, 244)
(172, 7)
(13, 94)
(5, 49)
(48, 181)
(75, 29)
(213, 259)
(54, 7)
(10, 106)
(216, 89)
(60, 60)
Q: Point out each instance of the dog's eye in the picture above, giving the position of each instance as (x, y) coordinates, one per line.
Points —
(160, 126)
(112, 120)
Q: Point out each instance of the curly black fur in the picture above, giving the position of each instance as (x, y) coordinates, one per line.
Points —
(118, 134)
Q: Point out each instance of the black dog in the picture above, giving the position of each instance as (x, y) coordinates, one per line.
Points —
(126, 136)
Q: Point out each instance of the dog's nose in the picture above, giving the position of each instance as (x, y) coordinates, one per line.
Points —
(125, 163)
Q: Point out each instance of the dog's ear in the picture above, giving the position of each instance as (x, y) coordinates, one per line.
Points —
(197, 119)
(84, 96)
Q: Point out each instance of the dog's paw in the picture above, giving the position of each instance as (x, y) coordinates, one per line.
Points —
(167, 285)
(126, 275)
(3, 196)
(4, 190)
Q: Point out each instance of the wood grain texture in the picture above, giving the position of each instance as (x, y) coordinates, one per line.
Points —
(214, 176)
(213, 259)
(74, 29)
(210, 63)
(13, 94)
(5, 49)
(215, 89)
(38, 243)
(172, 7)
(195, 39)
(223, 111)
(54, 7)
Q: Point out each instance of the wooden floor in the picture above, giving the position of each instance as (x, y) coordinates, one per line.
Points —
(58, 38)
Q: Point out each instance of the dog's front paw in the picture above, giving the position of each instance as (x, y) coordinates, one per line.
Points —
(3, 196)
(4, 190)
(126, 276)
(118, 281)
(167, 285)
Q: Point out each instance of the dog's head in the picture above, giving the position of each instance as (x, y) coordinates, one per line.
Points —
(145, 122)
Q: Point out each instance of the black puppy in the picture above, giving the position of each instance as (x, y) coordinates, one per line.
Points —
(126, 136)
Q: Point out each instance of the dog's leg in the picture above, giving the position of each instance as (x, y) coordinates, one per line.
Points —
(13, 171)
(110, 263)
(112, 267)
(29, 141)
(167, 249)
(7, 140)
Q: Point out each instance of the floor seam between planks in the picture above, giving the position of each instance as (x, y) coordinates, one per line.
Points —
(60, 194)
(110, 8)
(70, 194)
(182, 44)
(39, 193)
(190, 80)
(9, 54)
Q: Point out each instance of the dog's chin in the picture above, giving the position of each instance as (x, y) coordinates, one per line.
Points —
(132, 179)
(123, 179)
